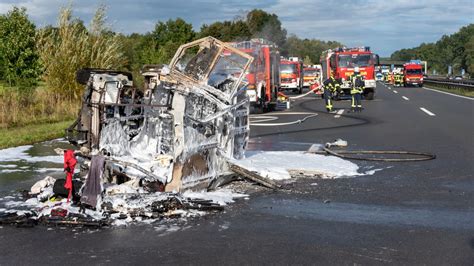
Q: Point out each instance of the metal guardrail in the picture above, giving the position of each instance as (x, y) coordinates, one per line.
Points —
(464, 84)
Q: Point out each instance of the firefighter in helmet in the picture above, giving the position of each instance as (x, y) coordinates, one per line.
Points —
(386, 77)
(398, 79)
(357, 88)
(331, 86)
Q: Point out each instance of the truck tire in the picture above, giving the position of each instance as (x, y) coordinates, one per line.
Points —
(271, 107)
(370, 95)
(256, 108)
(259, 106)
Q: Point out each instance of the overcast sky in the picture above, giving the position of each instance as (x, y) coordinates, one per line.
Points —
(386, 26)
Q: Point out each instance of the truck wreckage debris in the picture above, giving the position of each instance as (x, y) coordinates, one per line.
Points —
(191, 118)
(139, 150)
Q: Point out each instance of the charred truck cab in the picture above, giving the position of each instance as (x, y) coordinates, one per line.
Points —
(179, 131)
(341, 62)
(291, 73)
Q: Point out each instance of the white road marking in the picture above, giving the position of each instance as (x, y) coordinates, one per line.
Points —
(426, 111)
(452, 94)
(406, 98)
(395, 91)
(339, 113)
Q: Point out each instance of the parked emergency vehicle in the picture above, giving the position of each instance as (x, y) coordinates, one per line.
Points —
(311, 75)
(263, 76)
(341, 63)
(379, 76)
(412, 74)
(291, 73)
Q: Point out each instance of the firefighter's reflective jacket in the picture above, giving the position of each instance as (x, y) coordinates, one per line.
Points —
(398, 78)
(331, 84)
(358, 84)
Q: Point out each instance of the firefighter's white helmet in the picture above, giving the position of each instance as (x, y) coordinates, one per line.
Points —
(356, 70)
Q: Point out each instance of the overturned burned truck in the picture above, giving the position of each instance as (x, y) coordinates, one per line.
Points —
(178, 131)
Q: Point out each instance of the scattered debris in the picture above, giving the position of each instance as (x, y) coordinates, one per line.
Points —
(337, 143)
(39, 186)
(255, 177)
(117, 209)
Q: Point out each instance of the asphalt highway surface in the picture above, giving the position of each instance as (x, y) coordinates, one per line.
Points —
(402, 213)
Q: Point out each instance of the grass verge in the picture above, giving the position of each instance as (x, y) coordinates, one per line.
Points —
(461, 92)
(16, 136)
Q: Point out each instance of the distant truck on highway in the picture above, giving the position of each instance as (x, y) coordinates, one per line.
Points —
(341, 63)
(291, 74)
(412, 74)
(263, 76)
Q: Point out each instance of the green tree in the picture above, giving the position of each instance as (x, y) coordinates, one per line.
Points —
(469, 48)
(18, 56)
(165, 39)
(133, 46)
(260, 24)
(264, 25)
(227, 31)
(71, 46)
(308, 48)
(455, 50)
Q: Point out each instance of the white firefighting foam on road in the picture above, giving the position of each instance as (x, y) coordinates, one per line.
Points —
(278, 165)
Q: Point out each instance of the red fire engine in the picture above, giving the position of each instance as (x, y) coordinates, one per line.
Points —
(412, 74)
(312, 75)
(263, 75)
(341, 63)
(291, 72)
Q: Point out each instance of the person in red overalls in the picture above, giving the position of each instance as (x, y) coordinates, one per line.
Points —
(69, 164)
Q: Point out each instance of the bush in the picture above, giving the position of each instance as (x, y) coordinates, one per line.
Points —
(19, 62)
(71, 46)
(38, 106)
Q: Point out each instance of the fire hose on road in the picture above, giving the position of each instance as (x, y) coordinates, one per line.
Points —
(422, 156)
(350, 155)
(265, 118)
(303, 95)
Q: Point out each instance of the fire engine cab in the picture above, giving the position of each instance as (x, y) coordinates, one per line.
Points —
(412, 74)
(340, 62)
(291, 72)
(312, 75)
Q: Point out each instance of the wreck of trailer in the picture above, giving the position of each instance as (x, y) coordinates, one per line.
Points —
(179, 131)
